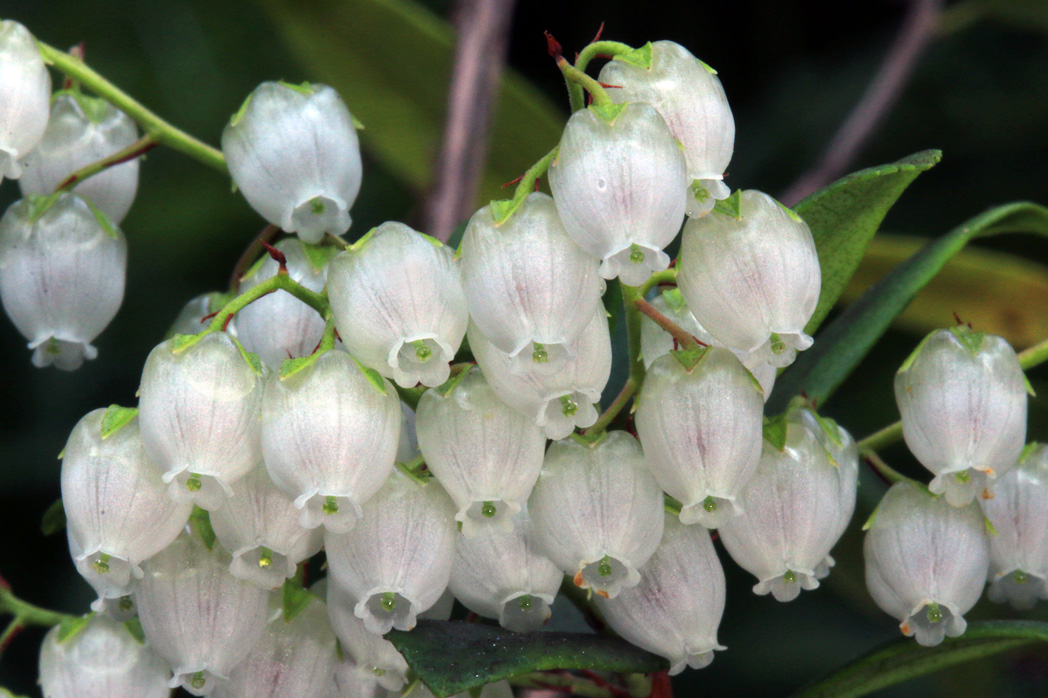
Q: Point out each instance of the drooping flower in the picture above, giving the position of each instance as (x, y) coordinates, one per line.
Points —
(25, 92)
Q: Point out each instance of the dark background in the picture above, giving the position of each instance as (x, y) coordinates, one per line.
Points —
(792, 70)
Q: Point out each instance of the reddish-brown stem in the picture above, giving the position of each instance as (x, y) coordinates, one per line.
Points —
(682, 337)
(137, 149)
(268, 234)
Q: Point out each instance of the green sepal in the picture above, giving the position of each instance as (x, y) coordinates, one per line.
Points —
(789, 212)
(640, 57)
(674, 299)
(134, 626)
(731, 207)
(432, 240)
(54, 520)
(990, 530)
(448, 386)
(61, 454)
(373, 376)
(873, 515)
(608, 112)
(319, 255)
(969, 339)
(357, 123)
(116, 418)
(1029, 388)
(295, 599)
(829, 427)
(1028, 449)
(754, 382)
(913, 355)
(181, 342)
(94, 108)
(775, 431)
(104, 220)
(238, 117)
(304, 88)
(71, 627)
(707, 66)
(502, 209)
(689, 358)
(671, 505)
(250, 358)
(39, 204)
(359, 244)
(200, 524)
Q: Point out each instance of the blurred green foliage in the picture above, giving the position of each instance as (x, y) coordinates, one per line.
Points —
(792, 70)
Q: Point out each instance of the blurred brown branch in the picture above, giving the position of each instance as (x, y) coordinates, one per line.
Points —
(483, 37)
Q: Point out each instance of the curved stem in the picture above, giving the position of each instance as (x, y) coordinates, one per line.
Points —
(26, 613)
(415, 469)
(280, 282)
(574, 75)
(161, 130)
(591, 51)
(630, 296)
(682, 336)
(137, 149)
(888, 473)
(613, 410)
(268, 234)
(659, 278)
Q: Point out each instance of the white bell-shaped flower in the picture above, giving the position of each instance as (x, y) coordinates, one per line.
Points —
(597, 512)
(701, 430)
(293, 659)
(530, 289)
(1018, 512)
(119, 608)
(279, 326)
(962, 397)
(845, 454)
(374, 658)
(485, 454)
(397, 560)
(329, 438)
(293, 151)
(102, 660)
(196, 615)
(688, 95)
(25, 92)
(351, 682)
(407, 446)
(259, 525)
(399, 305)
(655, 341)
(791, 516)
(559, 401)
(677, 607)
(926, 562)
(116, 506)
(752, 283)
(62, 269)
(83, 130)
(620, 187)
(199, 415)
(506, 577)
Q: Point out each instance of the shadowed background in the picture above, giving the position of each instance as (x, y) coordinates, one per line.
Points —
(792, 69)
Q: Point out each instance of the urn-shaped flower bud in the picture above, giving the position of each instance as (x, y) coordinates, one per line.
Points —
(62, 270)
(688, 95)
(791, 516)
(752, 282)
(677, 607)
(280, 326)
(558, 401)
(398, 304)
(962, 397)
(116, 506)
(655, 341)
(926, 562)
(597, 512)
(374, 658)
(293, 659)
(701, 430)
(531, 290)
(505, 576)
(102, 660)
(198, 412)
(196, 615)
(329, 438)
(620, 185)
(1018, 512)
(81, 131)
(259, 525)
(25, 92)
(293, 151)
(485, 454)
(397, 560)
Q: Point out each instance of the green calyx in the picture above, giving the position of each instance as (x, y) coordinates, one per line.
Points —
(969, 338)
(116, 418)
(93, 108)
(640, 57)
(304, 88)
(775, 431)
(689, 358)
(39, 204)
(674, 299)
(730, 207)
(239, 115)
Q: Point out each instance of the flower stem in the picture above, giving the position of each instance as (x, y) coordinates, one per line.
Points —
(137, 149)
(888, 473)
(659, 278)
(591, 51)
(630, 296)
(251, 252)
(415, 469)
(282, 281)
(613, 410)
(580, 78)
(154, 126)
(25, 613)
(683, 338)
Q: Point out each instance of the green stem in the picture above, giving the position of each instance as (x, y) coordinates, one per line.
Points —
(671, 505)
(161, 130)
(666, 276)
(630, 296)
(887, 472)
(136, 149)
(1028, 358)
(606, 48)
(527, 182)
(413, 469)
(613, 410)
(282, 281)
(574, 75)
(251, 252)
(327, 341)
(26, 613)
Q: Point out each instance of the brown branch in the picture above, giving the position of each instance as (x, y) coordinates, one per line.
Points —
(918, 29)
(250, 254)
(483, 29)
(683, 337)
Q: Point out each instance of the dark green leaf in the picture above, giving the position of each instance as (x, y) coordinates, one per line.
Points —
(54, 520)
(844, 216)
(903, 659)
(844, 343)
(391, 61)
(451, 657)
(115, 418)
(613, 303)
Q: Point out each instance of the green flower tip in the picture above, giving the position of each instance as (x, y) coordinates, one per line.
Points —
(488, 510)
(330, 505)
